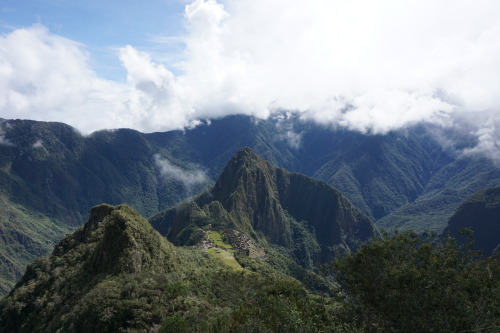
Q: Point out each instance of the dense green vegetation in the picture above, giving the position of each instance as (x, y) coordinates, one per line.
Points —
(117, 274)
(408, 283)
(50, 174)
(270, 205)
(481, 214)
(442, 196)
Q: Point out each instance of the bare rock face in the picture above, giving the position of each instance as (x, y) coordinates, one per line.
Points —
(268, 204)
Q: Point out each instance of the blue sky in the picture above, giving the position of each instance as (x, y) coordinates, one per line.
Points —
(367, 65)
(101, 25)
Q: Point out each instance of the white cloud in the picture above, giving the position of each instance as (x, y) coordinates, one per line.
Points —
(38, 144)
(188, 178)
(4, 141)
(371, 66)
(368, 65)
(487, 135)
(156, 99)
(285, 128)
(46, 77)
(4, 125)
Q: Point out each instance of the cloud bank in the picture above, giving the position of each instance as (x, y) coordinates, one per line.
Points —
(37, 144)
(4, 125)
(189, 179)
(367, 65)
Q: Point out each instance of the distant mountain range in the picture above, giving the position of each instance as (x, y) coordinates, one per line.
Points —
(247, 259)
(50, 175)
(257, 223)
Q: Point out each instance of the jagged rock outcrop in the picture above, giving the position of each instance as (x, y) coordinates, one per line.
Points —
(271, 204)
(480, 213)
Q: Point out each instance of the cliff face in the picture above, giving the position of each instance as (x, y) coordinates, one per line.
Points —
(334, 218)
(247, 188)
(481, 213)
(272, 204)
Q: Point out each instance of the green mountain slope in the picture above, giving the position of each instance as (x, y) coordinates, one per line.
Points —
(442, 196)
(480, 213)
(24, 235)
(53, 169)
(53, 174)
(270, 205)
(116, 242)
(117, 274)
(378, 173)
(50, 174)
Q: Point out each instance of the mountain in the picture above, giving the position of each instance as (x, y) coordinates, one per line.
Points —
(24, 235)
(480, 213)
(403, 179)
(270, 204)
(115, 241)
(50, 174)
(443, 194)
(55, 170)
(117, 274)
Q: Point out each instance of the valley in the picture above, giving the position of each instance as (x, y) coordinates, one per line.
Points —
(402, 180)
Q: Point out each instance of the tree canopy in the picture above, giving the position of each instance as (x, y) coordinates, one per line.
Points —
(412, 283)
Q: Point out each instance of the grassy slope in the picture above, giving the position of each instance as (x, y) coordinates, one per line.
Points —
(24, 235)
(223, 251)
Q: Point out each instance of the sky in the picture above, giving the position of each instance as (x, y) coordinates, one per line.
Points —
(366, 65)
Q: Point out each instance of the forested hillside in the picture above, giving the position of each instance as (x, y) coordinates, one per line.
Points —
(480, 214)
(306, 217)
(50, 174)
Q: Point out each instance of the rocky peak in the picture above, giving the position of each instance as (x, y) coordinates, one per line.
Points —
(241, 172)
(97, 215)
(116, 239)
(286, 208)
(247, 187)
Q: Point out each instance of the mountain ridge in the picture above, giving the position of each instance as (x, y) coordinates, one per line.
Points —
(117, 274)
(114, 241)
(258, 199)
(50, 174)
